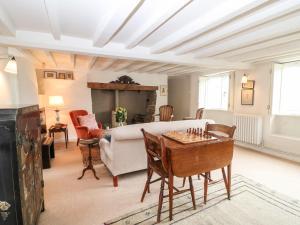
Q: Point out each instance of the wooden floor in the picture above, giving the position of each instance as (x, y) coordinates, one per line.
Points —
(89, 201)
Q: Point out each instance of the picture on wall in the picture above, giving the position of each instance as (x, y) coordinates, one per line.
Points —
(249, 84)
(61, 75)
(69, 76)
(247, 97)
(50, 74)
(163, 90)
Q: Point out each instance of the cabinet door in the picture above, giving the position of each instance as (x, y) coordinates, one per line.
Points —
(7, 151)
(28, 147)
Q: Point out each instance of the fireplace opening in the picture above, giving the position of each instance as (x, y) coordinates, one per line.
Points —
(140, 105)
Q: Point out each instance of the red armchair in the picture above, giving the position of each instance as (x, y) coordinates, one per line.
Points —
(82, 131)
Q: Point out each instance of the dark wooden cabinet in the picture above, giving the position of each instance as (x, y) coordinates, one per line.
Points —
(21, 178)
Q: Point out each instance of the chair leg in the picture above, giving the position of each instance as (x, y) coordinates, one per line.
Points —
(205, 187)
(171, 183)
(192, 192)
(229, 180)
(161, 197)
(183, 182)
(115, 181)
(150, 175)
(147, 184)
(225, 181)
(77, 141)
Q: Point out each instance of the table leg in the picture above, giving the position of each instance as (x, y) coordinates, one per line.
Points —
(90, 165)
(66, 138)
(171, 183)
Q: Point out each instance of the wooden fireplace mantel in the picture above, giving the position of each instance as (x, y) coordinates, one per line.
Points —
(122, 87)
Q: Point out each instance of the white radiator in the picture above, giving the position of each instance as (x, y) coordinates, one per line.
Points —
(248, 128)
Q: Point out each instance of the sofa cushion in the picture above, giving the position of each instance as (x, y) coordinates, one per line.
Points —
(134, 131)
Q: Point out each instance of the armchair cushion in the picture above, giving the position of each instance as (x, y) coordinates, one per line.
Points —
(88, 121)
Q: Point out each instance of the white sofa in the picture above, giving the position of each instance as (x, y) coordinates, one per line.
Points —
(126, 153)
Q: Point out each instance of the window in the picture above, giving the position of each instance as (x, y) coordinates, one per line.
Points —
(286, 89)
(214, 91)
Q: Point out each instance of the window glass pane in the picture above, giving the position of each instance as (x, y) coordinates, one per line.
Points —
(286, 90)
(214, 92)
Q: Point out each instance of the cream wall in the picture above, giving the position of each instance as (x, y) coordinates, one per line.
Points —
(281, 133)
(78, 96)
(20, 88)
(8, 87)
(27, 82)
(179, 91)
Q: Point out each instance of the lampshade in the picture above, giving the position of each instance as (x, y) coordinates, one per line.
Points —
(11, 66)
(244, 79)
(56, 101)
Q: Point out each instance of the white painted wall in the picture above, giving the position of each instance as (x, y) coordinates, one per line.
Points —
(179, 89)
(8, 87)
(27, 82)
(279, 132)
(77, 95)
(18, 88)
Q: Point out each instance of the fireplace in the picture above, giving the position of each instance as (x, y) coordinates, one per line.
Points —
(140, 102)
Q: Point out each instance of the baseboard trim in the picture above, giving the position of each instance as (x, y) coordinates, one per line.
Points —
(269, 151)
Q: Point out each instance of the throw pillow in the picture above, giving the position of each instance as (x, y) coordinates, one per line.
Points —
(88, 121)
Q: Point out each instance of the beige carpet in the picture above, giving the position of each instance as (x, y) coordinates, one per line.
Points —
(89, 201)
(250, 204)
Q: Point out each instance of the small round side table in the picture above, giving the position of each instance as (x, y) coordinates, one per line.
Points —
(89, 143)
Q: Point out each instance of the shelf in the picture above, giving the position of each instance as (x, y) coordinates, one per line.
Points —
(121, 87)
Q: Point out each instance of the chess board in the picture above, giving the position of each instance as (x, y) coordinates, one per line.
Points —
(188, 138)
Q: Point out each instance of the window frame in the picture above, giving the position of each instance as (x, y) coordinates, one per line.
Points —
(225, 73)
(275, 106)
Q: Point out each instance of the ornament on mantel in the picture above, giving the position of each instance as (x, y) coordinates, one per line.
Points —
(124, 80)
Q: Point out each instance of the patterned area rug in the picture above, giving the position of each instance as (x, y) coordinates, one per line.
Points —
(250, 204)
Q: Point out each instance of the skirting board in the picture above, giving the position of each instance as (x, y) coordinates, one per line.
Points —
(269, 151)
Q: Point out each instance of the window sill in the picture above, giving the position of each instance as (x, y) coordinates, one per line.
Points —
(287, 115)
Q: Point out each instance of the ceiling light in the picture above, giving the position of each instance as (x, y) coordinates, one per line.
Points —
(11, 66)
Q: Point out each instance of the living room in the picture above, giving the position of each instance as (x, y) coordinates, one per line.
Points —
(113, 112)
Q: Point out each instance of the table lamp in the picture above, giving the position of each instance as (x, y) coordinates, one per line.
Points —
(56, 102)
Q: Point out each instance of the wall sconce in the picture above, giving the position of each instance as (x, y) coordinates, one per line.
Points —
(244, 79)
(11, 66)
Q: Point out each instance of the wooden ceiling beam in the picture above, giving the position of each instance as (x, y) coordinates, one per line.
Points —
(261, 18)
(92, 62)
(115, 21)
(221, 15)
(50, 57)
(152, 25)
(257, 46)
(6, 25)
(51, 9)
(138, 66)
(257, 36)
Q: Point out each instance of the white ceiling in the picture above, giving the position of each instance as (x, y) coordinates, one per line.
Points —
(166, 36)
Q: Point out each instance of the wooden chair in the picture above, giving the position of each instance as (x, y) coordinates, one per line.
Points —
(199, 115)
(157, 162)
(219, 130)
(165, 113)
